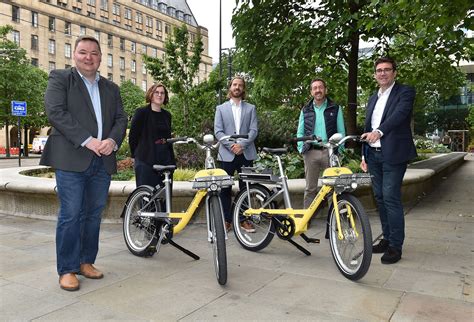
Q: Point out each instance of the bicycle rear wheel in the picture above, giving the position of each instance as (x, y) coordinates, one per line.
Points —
(141, 233)
(218, 239)
(353, 253)
(264, 227)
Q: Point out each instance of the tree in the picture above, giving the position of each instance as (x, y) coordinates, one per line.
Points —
(180, 65)
(20, 81)
(288, 42)
(132, 97)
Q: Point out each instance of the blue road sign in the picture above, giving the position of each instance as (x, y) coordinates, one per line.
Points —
(18, 108)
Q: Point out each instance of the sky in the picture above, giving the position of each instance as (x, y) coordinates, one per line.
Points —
(206, 13)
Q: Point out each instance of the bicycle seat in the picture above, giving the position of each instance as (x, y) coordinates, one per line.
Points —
(158, 167)
(276, 151)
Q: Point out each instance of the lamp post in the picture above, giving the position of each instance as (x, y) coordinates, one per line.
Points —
(220, 50)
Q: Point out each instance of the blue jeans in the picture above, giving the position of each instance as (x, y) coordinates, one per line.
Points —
(82, 197)
(387, 186)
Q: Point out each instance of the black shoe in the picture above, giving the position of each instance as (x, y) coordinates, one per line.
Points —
(391, 256)
(381, 247)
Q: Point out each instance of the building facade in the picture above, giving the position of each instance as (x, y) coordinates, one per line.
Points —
(126, 29)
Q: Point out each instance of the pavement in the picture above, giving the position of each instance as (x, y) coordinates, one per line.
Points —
(432, 282)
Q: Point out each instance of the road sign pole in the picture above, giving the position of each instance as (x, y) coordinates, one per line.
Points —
(19, 141)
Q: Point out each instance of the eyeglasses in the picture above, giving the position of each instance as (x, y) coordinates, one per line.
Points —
(383, 71)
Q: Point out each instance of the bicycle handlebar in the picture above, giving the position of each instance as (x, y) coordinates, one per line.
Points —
(180, 139)
(312, 138)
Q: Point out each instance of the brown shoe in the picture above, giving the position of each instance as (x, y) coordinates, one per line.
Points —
(247, 226)
(69, 282)
(228, 226)
(89, 271)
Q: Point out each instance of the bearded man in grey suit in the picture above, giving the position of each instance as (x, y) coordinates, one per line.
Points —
(89, 123)
(236, 117)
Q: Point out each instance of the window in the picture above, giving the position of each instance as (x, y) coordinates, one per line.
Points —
(122, 63)
(16, 37)
(34, 19)
(15, 14)
(158, 25)
(51, 65)
(97, 35)
(133, 46)
(116, 9)
(91, 2)
(171, 11)
(67, 66)
(52, 24)
(34, 62)
(110, 77)
(110, 60)
(52, 46)
(144, 69)
(122, 44)
(149, 22)
(128, 13)
(154, 52)
(144, 85)
(67, 50)
(167, 29)
(139, 18)
(82, 30)
(110, 41)
(134, 81)
(143, 49)
(104, 5)
(122, 78)
(34, 42)
(67, 28)
(133, 65)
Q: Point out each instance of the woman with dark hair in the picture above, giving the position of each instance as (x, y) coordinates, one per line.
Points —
(151, 126)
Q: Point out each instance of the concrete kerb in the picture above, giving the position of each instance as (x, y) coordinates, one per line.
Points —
(35, 197)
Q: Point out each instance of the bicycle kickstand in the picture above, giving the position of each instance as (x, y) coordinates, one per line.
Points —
(301, 248)
(184, 250)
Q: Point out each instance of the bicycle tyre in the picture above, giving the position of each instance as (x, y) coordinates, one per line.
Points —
(218, 239)
(264, 226)
(140, 234)
(352, 254)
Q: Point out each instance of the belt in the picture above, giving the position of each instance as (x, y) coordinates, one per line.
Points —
(315, 147)
(161, 141)
(376, 149)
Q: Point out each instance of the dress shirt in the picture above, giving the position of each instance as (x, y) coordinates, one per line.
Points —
(94, 94)
(237, 113)
(378, 112)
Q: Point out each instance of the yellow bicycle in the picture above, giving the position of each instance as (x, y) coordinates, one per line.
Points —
(348, 227)
(149, 222)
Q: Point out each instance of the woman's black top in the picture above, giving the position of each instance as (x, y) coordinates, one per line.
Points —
(147, 131)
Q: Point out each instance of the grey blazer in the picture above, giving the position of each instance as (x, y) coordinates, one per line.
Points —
(224, 125)
(70, 112)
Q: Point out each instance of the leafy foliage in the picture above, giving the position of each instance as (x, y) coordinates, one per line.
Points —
(132, 97)
(285, 43)
(178, 69)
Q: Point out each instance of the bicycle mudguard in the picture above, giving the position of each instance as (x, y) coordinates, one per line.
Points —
(128, 199)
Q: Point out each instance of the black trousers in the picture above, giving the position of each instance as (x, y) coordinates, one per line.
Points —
(226, 193)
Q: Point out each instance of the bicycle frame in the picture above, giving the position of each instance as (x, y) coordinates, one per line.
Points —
(301, 217)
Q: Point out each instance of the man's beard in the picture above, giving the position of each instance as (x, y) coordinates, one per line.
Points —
(236, 94)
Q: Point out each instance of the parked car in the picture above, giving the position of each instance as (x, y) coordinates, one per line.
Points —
(38, 144)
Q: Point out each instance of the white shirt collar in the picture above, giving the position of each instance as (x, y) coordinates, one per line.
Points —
(97, 75)
(386, 92)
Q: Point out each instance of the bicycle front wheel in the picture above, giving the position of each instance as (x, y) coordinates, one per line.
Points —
(218, 239)
(140, 233)
(352, 253)
(263, 226)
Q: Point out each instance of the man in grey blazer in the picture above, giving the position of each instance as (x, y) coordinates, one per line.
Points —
(89, 123)
(235, 117)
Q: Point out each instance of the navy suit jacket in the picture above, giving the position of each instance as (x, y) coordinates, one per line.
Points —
(70, 112)
(397, 140)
